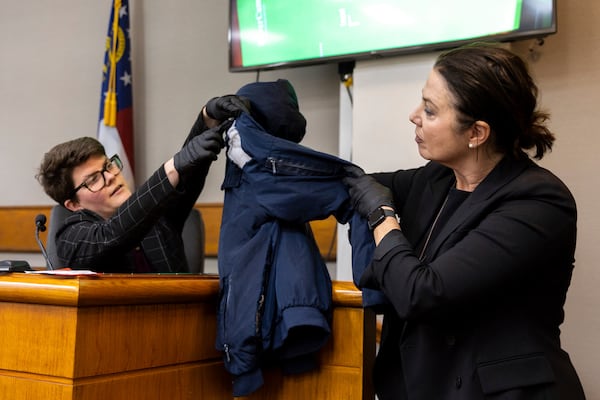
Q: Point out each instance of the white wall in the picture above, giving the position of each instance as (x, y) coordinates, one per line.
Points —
(49, 92)
(52, 54)
(384, 94)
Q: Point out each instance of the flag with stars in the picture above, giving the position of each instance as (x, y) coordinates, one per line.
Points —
(115, 127)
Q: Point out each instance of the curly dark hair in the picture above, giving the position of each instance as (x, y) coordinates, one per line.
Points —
(56, 168)
(492, 84)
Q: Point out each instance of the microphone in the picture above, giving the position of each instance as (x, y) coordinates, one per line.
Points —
(40, 226)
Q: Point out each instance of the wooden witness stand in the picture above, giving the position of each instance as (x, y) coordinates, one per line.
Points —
(152, 337)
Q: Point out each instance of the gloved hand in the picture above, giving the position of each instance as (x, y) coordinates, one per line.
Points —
(201, 149)
(366, 194)
(229, 106)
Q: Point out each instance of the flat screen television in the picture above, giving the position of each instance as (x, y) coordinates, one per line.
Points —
(267, 34)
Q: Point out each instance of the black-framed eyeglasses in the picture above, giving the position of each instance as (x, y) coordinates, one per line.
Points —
(96, 181)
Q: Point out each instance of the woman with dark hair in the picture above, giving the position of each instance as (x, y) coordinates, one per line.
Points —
(475, 249)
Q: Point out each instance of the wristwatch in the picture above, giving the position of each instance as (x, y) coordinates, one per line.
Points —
(379, 215)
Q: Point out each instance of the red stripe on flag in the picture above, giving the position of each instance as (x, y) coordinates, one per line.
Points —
(125, 128)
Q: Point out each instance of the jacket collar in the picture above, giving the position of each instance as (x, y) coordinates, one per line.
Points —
(502, 174)
(506, 171)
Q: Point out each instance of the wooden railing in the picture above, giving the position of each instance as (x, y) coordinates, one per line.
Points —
(17, 229)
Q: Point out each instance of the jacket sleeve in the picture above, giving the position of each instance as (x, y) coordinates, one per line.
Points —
(191, 187)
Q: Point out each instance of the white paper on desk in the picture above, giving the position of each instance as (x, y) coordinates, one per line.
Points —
(63, 272)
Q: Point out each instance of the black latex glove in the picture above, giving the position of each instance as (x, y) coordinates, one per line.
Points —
(198, 127)
(202, 149)
(366, 194)
(229, 106)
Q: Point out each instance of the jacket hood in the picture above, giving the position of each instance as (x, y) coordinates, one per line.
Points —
(274, 105)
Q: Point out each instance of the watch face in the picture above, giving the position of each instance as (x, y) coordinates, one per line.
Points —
(376, 217)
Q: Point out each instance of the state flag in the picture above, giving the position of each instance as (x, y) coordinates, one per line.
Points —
(115, 126)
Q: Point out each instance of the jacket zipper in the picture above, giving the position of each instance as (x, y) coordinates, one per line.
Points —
(227, 296)
(226, 349)
(275, 163)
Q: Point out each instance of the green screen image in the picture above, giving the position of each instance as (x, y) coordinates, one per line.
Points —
(278, 31)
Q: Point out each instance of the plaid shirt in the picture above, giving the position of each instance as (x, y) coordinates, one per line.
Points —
(151, 220)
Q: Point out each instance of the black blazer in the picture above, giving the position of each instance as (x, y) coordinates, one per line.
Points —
(479, 317)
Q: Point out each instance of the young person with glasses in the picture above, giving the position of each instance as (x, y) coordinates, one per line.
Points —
(115, 229)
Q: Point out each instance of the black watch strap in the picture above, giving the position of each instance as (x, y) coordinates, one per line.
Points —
(378, 216)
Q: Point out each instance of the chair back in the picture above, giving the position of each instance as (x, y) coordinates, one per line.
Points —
(57, 216)
(194, 237)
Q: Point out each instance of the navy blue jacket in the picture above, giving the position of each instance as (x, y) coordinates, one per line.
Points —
(275, 303)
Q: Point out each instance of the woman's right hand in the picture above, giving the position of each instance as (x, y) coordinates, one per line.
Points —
(366, 194)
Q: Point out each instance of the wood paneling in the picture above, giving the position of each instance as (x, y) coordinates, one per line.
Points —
(17, 229)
